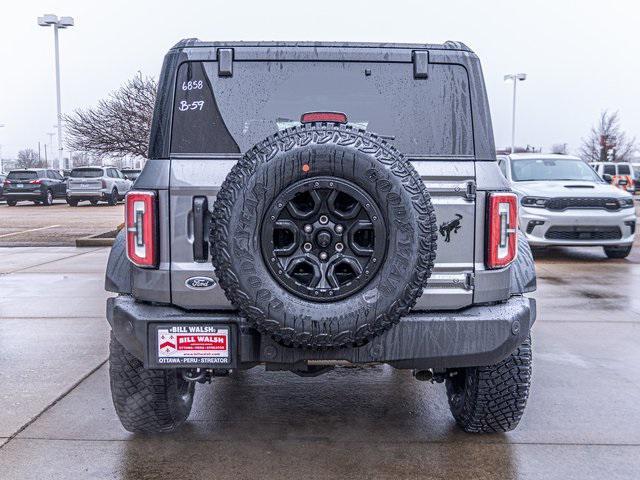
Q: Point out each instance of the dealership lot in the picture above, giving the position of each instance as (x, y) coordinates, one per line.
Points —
(57, 225)
(57, 421)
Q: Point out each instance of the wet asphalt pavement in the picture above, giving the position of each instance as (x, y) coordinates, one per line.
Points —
(57, 421)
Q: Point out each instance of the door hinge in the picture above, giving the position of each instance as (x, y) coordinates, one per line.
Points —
(225, 62)
(470, 193)
(469, 281)
(420, 60)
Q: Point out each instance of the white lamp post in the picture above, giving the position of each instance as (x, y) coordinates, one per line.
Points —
(515, 77)
(57, 23)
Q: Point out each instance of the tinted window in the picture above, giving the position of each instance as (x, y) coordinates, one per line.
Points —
(214, 114)
(624, 170)
(86, 172)
(609, 169)
(22, 175)
(534, 169)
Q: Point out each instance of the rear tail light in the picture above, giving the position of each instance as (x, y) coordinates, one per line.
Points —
(104, 183)
(35, 182)
(141, 225)
(502, 229)
(7, 182)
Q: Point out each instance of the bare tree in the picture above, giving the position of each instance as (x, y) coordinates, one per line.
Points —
(29, 158)
(119, 125)
(607, 141)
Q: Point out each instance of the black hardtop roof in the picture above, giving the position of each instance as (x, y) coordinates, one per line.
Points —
(448, 45)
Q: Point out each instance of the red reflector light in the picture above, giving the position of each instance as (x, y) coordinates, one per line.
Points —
(502, 229)
(141, 225)
(336, 117)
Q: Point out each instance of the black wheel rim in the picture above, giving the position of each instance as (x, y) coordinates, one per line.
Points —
(323, 238)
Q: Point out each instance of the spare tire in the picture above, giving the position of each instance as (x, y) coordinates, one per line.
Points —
(323, 236)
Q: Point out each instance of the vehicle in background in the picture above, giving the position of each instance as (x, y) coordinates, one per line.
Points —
(636, 176)
(131, 173)
(619, 174)
(564, 202)
(2, 177)
(95, 184)
(38, 185)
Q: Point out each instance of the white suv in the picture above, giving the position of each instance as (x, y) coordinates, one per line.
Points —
(563, 201)
(95, 184)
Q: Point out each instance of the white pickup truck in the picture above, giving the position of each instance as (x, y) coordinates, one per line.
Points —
(107, 184)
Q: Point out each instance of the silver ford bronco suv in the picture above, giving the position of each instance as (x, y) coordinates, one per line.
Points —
(310, 205)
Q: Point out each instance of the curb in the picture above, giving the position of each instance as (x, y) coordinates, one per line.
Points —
(99, 240)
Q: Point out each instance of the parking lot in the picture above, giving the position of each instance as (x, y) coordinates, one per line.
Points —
(57, 420)
(57, 225)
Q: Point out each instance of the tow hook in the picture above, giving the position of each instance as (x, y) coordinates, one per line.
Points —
(203, 375)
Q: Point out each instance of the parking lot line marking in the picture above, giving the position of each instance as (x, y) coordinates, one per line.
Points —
(27, 231)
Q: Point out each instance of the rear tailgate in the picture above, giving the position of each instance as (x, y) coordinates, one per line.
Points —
(81, 184)
(216, 117)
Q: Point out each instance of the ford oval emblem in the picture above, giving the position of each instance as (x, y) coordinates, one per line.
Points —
(200, 283)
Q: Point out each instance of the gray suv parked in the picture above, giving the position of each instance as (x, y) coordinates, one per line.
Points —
(107, 184)
(311, 204)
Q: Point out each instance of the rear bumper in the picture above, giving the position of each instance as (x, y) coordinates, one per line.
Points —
(23, 195)
(479, 335)
(86, 194)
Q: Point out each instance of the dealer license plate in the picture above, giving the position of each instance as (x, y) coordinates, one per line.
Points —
(193, 345)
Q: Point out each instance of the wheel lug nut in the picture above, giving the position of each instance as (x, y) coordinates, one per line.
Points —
(339, 229)
(323, 255)
(339, 247)
(307, 247)
(308, 228)
(324, 219)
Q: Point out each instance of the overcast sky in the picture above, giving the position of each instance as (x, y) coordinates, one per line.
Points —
(580, 56)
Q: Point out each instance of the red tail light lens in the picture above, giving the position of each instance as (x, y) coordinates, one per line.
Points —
(7, 182)
(141, 225)
(104, 183)
(502, 229)
(36, 182)
(311, 117)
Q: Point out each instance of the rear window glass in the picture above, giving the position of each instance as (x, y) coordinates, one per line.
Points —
(22, 176)
(214, 114)
(86, 173)
(624, 170)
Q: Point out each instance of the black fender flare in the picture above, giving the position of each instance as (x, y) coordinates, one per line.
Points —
(523, 269)
(118, 274)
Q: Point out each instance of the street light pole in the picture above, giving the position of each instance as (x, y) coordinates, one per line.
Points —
(57, 23)
(515, 77)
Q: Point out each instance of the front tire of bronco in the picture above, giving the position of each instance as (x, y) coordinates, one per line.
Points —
(492, 399)
(147, 400)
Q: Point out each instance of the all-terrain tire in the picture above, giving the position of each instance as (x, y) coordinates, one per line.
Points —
(617, 252)
(324, 151)
(147, 400)
(492, 399)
